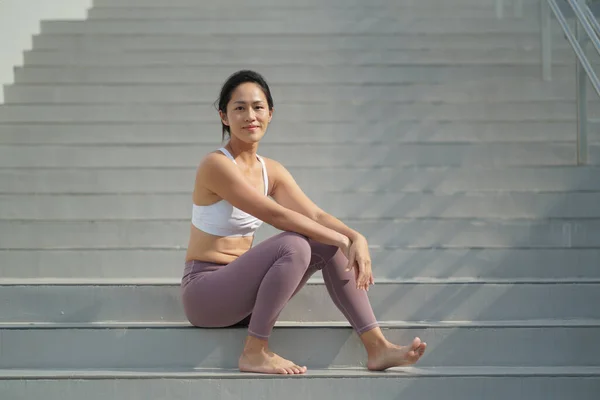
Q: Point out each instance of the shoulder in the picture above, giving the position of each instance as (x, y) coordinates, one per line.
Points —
(274, 168)
(279, 176)
(213, 168)
(214, 159)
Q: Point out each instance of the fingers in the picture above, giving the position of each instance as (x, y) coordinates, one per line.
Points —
(351, 259)
(362, 268)
(364, 276)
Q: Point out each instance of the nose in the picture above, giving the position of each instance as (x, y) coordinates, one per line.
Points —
(251, 115)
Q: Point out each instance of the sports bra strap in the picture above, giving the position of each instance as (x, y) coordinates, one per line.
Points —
(227, 153)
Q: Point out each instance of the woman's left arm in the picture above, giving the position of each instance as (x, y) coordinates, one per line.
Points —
(287, 193)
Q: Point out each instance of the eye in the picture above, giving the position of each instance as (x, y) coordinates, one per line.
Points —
(239, 108)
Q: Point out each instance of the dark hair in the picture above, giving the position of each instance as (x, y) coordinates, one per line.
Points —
(232, 83)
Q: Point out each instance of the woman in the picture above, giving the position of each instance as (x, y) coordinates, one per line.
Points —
(228, 282)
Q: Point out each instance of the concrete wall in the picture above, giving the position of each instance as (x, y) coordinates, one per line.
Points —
(20, 20)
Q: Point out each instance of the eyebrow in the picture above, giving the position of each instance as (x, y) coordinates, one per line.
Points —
(243, 102)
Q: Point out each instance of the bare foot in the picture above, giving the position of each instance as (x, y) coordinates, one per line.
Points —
(267, 362)
(390, 355)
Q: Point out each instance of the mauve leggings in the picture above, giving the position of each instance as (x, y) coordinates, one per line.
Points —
(259, 283)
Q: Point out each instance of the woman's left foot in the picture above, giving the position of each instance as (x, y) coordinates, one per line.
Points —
(390, 355)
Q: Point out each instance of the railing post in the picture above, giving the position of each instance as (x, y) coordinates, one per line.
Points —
(546, 38)
(581, 79)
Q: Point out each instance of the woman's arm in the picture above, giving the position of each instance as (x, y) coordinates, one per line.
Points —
(219, 175)
(287, 193)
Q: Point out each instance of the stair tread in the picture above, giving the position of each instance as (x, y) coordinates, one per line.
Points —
(542, 323)
(176, 281)
(208, 373)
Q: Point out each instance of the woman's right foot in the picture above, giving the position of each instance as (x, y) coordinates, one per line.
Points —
(389, 355)
(267, 362)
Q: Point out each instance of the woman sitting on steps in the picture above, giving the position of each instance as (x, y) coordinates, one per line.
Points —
(228, 282)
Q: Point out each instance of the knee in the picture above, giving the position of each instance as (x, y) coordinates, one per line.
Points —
(295, 246)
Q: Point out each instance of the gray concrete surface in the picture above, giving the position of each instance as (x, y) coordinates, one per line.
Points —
(456, 161)
(166, 346)
(97, 265)
(410, 179)
(399, 300)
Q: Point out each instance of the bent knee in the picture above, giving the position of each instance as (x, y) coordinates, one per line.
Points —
(296, 246)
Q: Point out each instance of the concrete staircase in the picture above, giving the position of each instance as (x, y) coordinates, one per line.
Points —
(423, 124)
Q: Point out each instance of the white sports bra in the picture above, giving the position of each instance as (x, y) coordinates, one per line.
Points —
(222, 218)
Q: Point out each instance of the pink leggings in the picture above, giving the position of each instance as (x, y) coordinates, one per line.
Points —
(257, 285)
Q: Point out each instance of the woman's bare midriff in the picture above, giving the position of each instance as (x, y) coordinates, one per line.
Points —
(220, 250)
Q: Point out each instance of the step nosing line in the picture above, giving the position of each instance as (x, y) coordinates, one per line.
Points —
(433, 193)
(490, 103)
(376, 247)
(404, 168)
(172, 282)
(372, 247)
(434, 142)
(212, 373)
(490, 220)
(283, 325)
(295, 145)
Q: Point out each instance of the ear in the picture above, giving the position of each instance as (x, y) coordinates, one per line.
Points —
(271, 114)
(224, 118)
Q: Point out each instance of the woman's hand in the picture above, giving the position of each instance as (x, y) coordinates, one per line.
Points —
(360, 259)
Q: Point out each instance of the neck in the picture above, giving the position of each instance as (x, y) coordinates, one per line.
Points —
(240, 151)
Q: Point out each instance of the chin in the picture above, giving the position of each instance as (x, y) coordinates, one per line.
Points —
(250, 139)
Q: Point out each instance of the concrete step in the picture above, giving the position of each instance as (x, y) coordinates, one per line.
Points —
(80, 180)
(405, 233)
(347, 111)
(398, 300)
(299, 75)
(300, 133)
(488, 91)
(324, 156)
(419, 383)
(208, 12)
(319, 24)
(325, 345)
(388, 263)
(312, 42)
(382, 205)
(291, 4)
(260, 57)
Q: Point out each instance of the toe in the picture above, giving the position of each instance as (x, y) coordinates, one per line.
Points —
(416, 343)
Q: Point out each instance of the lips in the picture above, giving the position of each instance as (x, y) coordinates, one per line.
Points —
(252, 127)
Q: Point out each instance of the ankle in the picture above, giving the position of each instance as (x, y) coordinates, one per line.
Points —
(374, 341)
(255, 345)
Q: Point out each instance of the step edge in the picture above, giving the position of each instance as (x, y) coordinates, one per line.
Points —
(216, 373)
(553, 323)
(176, 281)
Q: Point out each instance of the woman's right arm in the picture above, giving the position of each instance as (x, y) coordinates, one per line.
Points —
(219, 175)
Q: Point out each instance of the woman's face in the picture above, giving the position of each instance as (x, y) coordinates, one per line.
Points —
(248, 113)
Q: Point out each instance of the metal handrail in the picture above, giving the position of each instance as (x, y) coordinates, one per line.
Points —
(592, 18)
(585, 22)
(571, 37)
(583, 19)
